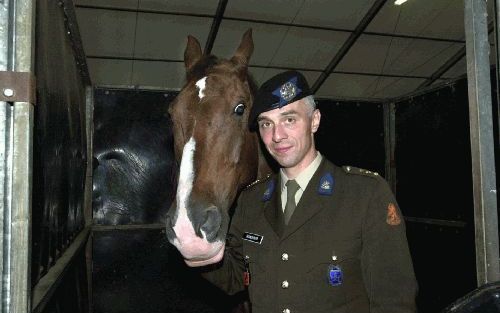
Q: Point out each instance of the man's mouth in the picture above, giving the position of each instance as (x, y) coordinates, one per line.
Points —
(282, 150)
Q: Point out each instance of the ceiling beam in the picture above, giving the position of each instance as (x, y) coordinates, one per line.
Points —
(349, 43)
(450, 63)
(214, 29)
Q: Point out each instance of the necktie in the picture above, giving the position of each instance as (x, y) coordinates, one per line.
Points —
(291, 190)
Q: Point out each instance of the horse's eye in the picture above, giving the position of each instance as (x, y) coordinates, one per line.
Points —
(239, 109)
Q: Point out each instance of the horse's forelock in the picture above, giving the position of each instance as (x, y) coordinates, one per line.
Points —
(201, 68)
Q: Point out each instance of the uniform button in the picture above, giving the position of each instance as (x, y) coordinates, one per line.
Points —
(284, 284)
(286, 311)
(284, 256)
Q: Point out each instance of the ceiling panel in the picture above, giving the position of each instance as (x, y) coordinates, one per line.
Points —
(308, 48)
(344, 86)
(347, 86)
(266, 38)
(167, 75)
(122, 4)
(106, 32)
(344, 14)
(181, 6)
(262, 74)
(389, 87)
(430, 18)
(165, 36)
(269, 10)
(110, 72)
(401, 56)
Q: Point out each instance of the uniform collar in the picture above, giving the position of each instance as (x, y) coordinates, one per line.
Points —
(305, 176)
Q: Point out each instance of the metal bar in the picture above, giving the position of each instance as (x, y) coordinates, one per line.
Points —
(390, 144)
(496, 21)
(126, 227)
(48, 284)
(5, 29)
(22, 60)
(88, 214)
(5, 193)
(276, 23)
(214, 29)
(433, 221)
(89, 130)
(348, 43)
(481, 135)
(73, 32)
(22, 160)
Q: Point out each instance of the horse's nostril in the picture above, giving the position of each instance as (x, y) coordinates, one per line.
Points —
(211, 223)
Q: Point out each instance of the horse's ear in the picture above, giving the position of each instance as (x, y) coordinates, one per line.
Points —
(245, 50)
(193, 53)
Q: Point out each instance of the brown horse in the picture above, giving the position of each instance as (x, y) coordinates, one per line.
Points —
(218, 154)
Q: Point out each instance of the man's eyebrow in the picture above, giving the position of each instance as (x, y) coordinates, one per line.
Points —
(289, 112)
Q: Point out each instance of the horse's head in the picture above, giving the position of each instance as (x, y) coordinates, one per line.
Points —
(217, 153)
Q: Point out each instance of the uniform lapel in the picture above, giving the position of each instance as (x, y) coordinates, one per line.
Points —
(311, 202)
(272, 209)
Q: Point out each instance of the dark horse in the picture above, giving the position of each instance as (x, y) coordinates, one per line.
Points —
(218, 154)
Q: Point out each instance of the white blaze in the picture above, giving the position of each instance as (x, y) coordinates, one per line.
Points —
(201, 84)
(196, 251)
(183, 227)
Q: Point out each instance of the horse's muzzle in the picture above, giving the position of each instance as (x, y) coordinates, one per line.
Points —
(205, 223)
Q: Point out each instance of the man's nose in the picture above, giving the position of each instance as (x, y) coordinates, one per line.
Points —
(279, 133)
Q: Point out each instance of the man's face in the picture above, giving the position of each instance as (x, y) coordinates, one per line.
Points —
(288, 134)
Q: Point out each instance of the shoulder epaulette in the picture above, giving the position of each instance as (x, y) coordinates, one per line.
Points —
(258, 181)
(359, 171)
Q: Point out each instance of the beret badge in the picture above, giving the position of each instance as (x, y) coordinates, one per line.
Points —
(287, 91)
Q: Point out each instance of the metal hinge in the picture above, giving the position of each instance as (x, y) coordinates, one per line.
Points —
(17, 87)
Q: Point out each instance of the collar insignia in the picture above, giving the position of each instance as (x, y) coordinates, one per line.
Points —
(269, 191)
(326, 184)
(287, 91)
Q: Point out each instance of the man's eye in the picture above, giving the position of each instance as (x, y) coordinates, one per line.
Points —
(265, 124)
(290, 120)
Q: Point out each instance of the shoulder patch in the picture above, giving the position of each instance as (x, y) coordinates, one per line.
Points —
(359, 171)
(392, 218)
(258, 181)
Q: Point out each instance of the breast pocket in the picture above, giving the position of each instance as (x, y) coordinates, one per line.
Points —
(334, 274)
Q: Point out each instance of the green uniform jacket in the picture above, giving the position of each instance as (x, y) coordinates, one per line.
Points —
(341, 224)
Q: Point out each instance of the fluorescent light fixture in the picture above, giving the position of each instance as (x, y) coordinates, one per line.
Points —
(399, 2)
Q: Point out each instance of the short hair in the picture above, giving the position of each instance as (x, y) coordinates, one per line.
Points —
(309, 100)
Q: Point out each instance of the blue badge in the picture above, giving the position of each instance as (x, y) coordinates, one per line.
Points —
(326, 184)
(287, 91)
(269, 191)
(334, 275)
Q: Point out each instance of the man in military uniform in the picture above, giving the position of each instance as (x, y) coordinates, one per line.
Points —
(314, 237)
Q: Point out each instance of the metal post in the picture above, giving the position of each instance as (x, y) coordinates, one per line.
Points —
(390, 144)
(16, 141)
(496, 17)
(481, 134)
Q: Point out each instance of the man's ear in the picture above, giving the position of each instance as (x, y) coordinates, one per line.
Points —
(316, 118)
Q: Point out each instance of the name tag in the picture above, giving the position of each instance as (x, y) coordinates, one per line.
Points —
(255, 238)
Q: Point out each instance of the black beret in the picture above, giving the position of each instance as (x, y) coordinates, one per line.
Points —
(278, 91)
